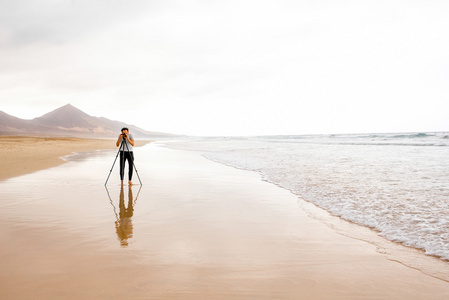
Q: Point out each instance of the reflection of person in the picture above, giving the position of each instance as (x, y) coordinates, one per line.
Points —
(124, 225)
(126, 153)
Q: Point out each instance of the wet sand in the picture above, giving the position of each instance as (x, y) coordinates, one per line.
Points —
(194, 230)
(29, 154)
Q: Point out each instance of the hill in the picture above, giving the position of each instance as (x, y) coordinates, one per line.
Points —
(69, 121)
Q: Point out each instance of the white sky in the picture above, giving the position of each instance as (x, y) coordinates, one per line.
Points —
(229, 67)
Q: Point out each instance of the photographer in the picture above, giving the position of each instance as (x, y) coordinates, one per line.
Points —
(126, 153)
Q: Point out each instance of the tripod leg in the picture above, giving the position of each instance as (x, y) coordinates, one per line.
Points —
(135, 169)
(137, 173)
(112, 167)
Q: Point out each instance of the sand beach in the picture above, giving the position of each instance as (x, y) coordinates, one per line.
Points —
(29, 154)
(195, 229)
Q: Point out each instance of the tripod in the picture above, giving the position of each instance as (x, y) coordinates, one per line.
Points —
(124, 144)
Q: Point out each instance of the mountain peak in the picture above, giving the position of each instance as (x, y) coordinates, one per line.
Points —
(66, 116)
(68, 107)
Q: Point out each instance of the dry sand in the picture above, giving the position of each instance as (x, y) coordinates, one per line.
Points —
(213, 232)
(23, 155)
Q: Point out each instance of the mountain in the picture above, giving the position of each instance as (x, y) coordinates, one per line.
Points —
(69, 121)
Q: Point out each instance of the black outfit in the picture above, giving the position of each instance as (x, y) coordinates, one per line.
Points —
(126, 155)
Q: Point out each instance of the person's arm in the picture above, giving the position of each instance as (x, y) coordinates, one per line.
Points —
(130, 141)
(119, 140)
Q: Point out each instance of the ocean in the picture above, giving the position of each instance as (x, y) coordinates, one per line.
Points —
(396, 184)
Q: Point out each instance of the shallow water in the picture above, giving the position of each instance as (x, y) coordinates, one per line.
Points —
(72, 198)
(397, 184)
(68, 197)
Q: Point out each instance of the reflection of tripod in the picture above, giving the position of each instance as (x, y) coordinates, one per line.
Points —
(122, 157)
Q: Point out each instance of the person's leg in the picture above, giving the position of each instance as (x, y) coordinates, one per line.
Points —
(122, 165)
(130, 166)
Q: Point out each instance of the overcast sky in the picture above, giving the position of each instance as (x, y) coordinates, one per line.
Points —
(243, 67)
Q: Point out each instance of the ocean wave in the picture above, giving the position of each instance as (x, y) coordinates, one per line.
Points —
(406, 139)
(413, 135)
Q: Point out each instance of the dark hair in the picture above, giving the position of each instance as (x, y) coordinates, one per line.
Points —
(124, 128)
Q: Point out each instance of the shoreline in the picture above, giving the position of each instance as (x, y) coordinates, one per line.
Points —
(322, 193)
(409, 256)
(28, 154)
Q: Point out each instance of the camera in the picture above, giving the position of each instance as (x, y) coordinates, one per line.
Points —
(124, 134)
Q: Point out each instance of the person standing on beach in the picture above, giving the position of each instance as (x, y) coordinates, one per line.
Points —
(126, 153)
